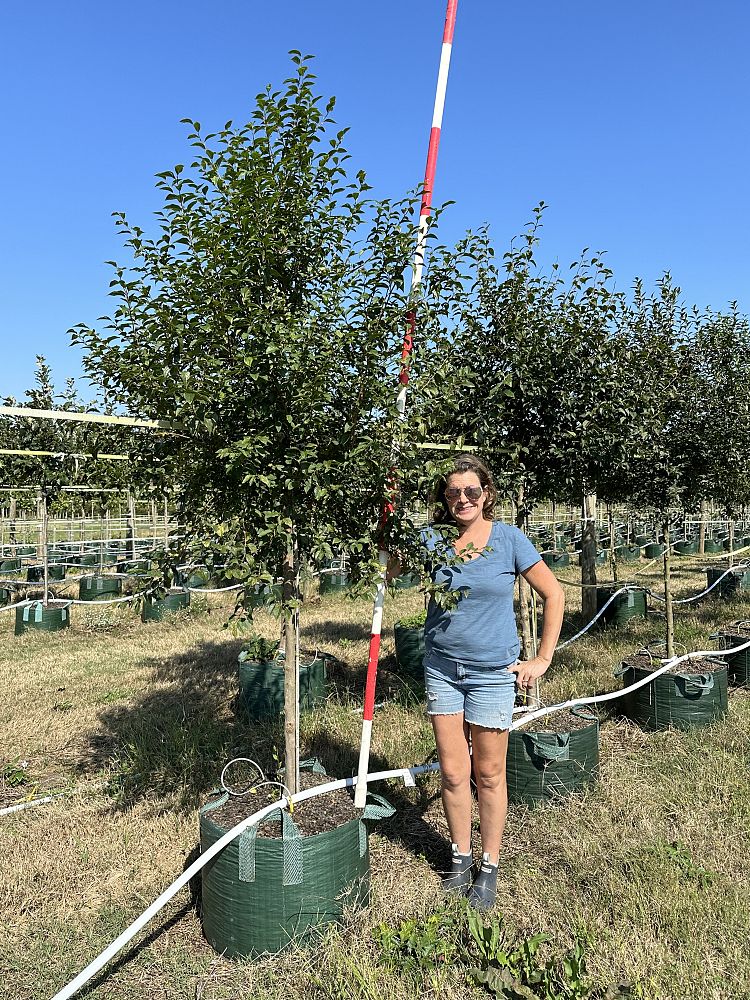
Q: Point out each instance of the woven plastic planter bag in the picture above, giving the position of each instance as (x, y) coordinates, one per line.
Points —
(35, 574)
(684, 701)
(629, 604)
(556, 560)
(262, 686)
(99, 588)
(410, 649)
(628, 553)
(155, 610)
(731, 584)
(260, 894)
(35, 617)
(653, 550)
(541, 766)
(738, 664)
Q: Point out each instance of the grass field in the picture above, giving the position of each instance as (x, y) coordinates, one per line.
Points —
(133, 724)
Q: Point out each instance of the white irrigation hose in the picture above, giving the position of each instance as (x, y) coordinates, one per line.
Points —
(611, 695)
(407, 774)
(214, 590)
(598, 615)
(30, 804)
(687, 600)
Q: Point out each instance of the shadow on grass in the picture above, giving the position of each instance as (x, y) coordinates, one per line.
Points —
(168, 744)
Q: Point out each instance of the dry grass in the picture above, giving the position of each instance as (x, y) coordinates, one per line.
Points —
(133, 723)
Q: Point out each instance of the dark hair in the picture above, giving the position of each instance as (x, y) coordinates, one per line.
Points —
(463, 463)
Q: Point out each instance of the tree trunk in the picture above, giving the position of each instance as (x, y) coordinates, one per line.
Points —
(702, 530)
(668, 593)
(12, 525)
(523, 588)
(41, 545)
(588, 557)
(291, 672)
(731, 542)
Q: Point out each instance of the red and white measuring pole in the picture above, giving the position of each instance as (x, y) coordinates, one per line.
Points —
(416, 279)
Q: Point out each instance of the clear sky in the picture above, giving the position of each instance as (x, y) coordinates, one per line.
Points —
(628, 119)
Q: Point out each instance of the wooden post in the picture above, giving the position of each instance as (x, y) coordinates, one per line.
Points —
(523, 587)
(44, 544)
(589, 548)
(291, 671)
(669, 614)
(130, 530)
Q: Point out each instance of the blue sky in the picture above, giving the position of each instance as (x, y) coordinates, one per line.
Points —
(629, 120)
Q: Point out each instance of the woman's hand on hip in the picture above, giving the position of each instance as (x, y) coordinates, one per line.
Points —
(527, 671)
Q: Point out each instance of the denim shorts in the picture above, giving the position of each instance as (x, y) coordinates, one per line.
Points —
(485, 693)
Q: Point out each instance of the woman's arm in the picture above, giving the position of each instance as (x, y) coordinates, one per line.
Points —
(544, 582)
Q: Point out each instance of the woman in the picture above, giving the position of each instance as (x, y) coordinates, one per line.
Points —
(472, 667)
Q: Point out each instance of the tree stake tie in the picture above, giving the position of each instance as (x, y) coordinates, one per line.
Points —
(360, 794)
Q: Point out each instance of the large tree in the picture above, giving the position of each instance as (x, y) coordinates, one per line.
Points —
(265, 322)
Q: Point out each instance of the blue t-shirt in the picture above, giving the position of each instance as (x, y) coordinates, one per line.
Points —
(482, 626)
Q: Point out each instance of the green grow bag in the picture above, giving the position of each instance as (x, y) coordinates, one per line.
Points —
(653, 550)
(266, 596)
(26, 550)
(88, 559)
(5, 596)
(197, 578)
(731, 584)
(642, 540)
(260, 894)
(155, 610)
(334, 582)
(628, 553)
(685, 548)
(545, 765)
(712, 545)
(136, 566)
(410, 649)
(34, 574)
(10, 565)
(99, 588)
(556, 560)
(738, 664)
(683, 700)
(406, 581)
(34, 616)
(629, 604)
(262, 686)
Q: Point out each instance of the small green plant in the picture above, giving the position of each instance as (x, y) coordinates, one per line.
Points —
(680, 855)
(258, 649)
(516, 972)
(424, 945)
(14, 775)
(417, 620)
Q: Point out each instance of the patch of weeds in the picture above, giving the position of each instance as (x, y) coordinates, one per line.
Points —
(15, 775)
(419, 945)
(62, 706)
(680, 855)
(116, 694)
(513, 970)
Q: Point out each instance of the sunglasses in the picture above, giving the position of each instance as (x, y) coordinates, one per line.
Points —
(472, 492)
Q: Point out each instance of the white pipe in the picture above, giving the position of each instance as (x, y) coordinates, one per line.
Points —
(29, 805)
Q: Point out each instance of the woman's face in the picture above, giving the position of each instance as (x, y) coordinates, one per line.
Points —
(466, 510)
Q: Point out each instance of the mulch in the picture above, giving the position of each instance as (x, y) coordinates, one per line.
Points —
(315, 815)
(702, 666)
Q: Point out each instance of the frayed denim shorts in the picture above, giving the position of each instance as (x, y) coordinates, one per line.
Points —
(485, 693)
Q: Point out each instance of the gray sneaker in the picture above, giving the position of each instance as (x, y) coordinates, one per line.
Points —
(458, 878)
(483, 892)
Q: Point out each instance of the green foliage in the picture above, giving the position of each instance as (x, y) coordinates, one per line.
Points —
(258, 649)
(15, 774)
(419, 945)
(508, 969)
(417, 620)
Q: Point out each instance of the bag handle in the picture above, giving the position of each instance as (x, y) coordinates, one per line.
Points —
(696, 684)
(376, 808)
(548, 746)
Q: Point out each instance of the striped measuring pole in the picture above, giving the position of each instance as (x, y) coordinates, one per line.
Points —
(416, 279)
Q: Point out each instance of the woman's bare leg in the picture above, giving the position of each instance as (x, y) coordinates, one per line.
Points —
(455, 771)
(490, 747)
